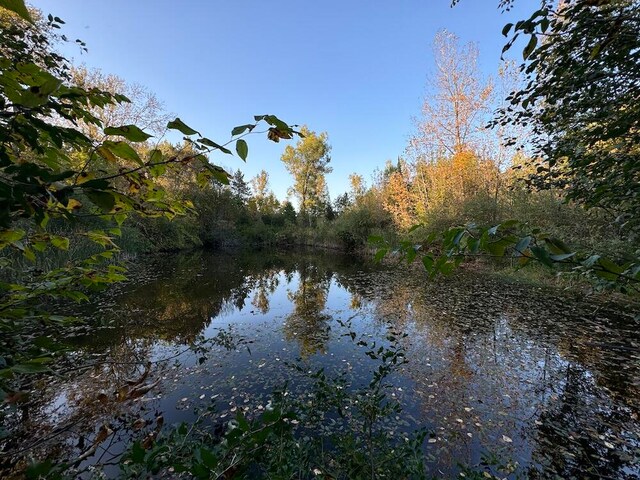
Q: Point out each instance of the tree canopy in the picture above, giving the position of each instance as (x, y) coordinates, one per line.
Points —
(308, 163)
(582, 100)
(60, 160)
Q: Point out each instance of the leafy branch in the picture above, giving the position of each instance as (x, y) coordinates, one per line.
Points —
(442, 252)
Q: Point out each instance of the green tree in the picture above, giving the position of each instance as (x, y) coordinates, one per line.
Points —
(41, 110)
(239, 187)
(358, 187)
(341, 203)
(308, 163)
(583, 65)
(263, 199)
(288, 212)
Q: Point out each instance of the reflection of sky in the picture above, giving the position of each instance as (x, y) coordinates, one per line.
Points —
(485, 373)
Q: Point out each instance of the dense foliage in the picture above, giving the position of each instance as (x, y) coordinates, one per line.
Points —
(83, 180)
(582, 97)
(60, 164)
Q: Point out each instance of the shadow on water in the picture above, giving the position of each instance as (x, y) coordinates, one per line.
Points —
(495, 372)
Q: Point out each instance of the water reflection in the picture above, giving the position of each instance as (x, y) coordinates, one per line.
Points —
(308, 324)
(551, 383)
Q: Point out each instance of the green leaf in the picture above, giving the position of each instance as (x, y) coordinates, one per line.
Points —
(10, 236)
(427, 261)
(458, 237)
(104, 200)
(243, 149)
(506, 29)
(276, 122)
(219, 174)
(123, 150)
(155, 156)
(157, 170)
(120, 218)
(380, 254)
(59, 242)
(178, 124)
(612, 277)
(242, 422)
(29, 255)
(30, 367)
(522, 245)
(242, 128)
(208, 458)
(473, 244)
(497, 248)
(130, 132)
(106, 154)
(591, 261)
(18, 7)
(509, 224)
(137, 453)
(557, 246)
(211, 143)
(609, 266)
(542, 256)
(528, 50)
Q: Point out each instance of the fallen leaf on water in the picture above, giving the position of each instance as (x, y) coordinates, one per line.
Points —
(139, 424)
(16, 397)
(141, 390)
(103, 433)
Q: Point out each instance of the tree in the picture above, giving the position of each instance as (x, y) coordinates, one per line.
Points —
(358, 187)
(263, 198)
(341, 203)
(239, 187)
(452, 149)
(398, 199)
(144, 108)
(41, 110)
(582, 100)
(288, 212)
(456, 111)
(308, 163)
(446, 187)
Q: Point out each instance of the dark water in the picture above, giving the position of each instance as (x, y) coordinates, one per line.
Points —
(495, 370)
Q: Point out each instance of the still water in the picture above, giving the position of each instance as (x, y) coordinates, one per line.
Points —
(494, 370)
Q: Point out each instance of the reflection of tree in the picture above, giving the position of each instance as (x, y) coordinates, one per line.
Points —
(307, 324)
(581, 435)
(266, 284)
(175, 298)
(64, 419)
(500, 351)
(489, 360)
(356, 302)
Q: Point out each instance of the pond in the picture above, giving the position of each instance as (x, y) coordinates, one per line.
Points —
(495, 372)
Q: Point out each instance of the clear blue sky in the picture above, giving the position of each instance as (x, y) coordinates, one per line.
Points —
(355, 69)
